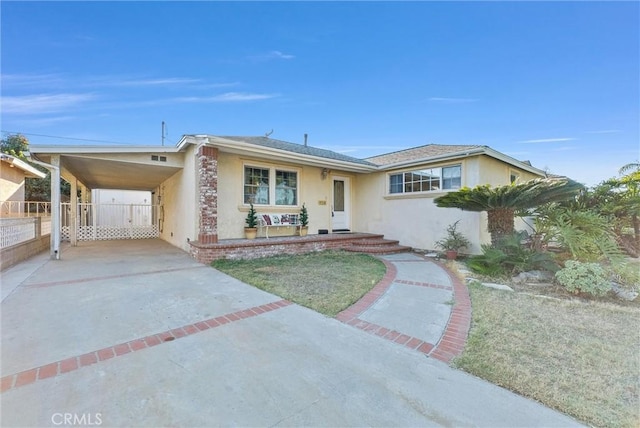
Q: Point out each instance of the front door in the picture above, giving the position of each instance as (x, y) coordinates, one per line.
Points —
(340, 212)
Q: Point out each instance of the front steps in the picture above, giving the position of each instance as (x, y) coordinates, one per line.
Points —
(377, 245)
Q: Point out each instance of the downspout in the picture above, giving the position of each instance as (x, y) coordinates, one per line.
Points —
(55, 204)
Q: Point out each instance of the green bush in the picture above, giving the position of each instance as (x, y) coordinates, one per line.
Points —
(584, 277)
(626, 274)
(511, 257)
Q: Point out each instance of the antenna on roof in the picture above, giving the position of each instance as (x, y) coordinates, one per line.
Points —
(163, 132)
(267, 134)
(305, 140)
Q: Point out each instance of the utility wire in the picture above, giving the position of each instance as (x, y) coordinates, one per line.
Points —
(66, 138)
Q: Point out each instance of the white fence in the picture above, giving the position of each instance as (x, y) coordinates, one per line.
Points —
(24, 209)
(93, 221)
(110, 221)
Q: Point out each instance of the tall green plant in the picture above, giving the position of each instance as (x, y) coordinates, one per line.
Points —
(252, 217)
(509, 256)
(503, 202)
(304, 216)
(582, 232)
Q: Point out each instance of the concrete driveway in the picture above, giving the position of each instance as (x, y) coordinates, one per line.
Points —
(135, 333)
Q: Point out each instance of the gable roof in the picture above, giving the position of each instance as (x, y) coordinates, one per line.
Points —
(298, 148)
(440, 152)
(419, 153)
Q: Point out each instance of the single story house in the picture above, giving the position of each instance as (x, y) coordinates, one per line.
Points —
(203, 186)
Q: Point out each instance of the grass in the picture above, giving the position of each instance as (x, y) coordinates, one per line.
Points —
(580, 357)
(327, 282)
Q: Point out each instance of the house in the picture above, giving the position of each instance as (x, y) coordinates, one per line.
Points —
(13, 172)
(203, 186)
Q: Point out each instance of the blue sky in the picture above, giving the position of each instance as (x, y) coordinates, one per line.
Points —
(556, 83)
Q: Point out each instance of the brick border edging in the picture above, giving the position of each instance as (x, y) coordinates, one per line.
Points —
(29, 376)
(453, 339)
(455, 335)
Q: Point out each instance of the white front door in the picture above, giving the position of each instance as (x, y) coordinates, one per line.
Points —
(340, 209)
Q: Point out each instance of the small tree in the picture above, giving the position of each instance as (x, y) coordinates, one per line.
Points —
(252, 219)
(454, 241)
(304, 216)
(503, 202)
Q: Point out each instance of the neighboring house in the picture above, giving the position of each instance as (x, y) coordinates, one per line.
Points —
(204, 185)
(13, 172)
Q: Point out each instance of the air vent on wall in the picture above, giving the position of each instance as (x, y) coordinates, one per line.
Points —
(158, 158)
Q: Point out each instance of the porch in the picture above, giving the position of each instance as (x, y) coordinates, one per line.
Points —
(263, 247)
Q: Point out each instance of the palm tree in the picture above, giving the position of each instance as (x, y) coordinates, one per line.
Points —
(633, 167)
(503, 202)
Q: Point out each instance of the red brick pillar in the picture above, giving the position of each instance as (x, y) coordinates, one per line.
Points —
(208, 194)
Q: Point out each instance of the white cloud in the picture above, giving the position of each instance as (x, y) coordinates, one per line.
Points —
(447, 100)
(156, 82)
(227, 97)
(280, 55)
(272, 55)
(43, 103)
(30, 79)
(547, 140)
(605, 131)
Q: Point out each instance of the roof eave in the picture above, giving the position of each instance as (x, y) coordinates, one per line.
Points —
(64, 150)
(485, 150)
(431, 159)
(514, 162)
(28, 170)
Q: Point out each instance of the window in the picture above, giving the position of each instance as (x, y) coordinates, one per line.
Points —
(426, 180)
(286, 188)
(514, 177)
(263, 185)
(256, 185)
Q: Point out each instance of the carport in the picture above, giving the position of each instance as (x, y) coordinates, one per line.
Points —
(102, 167)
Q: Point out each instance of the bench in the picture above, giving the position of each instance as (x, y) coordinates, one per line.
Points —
(266, 221)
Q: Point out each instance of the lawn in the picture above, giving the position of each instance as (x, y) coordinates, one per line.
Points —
(326, 282)
(580, 357)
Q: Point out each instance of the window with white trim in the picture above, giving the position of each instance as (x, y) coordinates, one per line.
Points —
(263, 185)
(426, 180)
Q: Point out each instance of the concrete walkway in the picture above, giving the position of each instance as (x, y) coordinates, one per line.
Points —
(417, 304)
(135, 333)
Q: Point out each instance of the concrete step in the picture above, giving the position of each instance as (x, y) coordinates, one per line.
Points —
(374, 242)
(371, 249)
(377, 245)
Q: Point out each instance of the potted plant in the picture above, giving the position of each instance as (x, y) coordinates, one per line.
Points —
(304, 220)
(251, 221)
(453, 242)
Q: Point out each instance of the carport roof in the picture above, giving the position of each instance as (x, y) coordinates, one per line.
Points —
(113, 167)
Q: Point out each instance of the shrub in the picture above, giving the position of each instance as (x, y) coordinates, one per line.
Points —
(626, 274)
(509, 257)
(584, 277)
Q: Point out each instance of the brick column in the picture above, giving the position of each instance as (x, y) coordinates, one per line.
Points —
(208, 194)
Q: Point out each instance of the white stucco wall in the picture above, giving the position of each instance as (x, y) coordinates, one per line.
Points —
(178, 200)
(415, 220)
(314, 191)
(11, 183)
